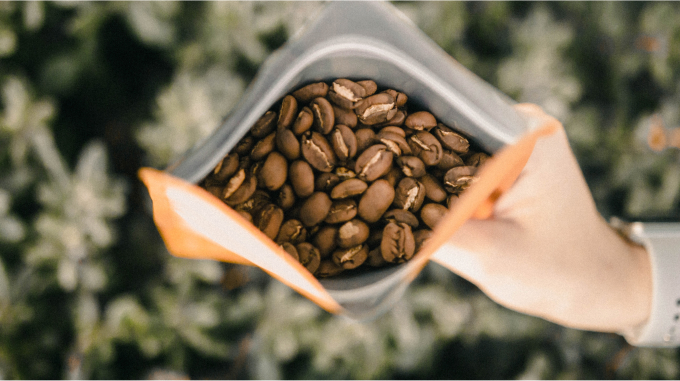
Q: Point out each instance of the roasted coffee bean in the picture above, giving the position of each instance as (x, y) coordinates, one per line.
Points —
(286, 197)
(226, 168)
(397, 120)
(233, 184)
(326, 240)
(400, 98)
(346, 117)
(303, 122)
(432, 213)
(394, 176)
(434, 190)
(411, 166)
(318, 153)
(315, 209)
(402, 216)
(369, 86)
(451, 139)
(365, 138)
(326, 181)
(394, 142)
(346, 94)
(214, 189)
(269, 220)
(265, 125)
(397, 243)
(246, 216)
(291, 231)
(344, 142)
(351, 258)
(287, 144)
(290, 249)
(376, 109)
(311, 92)
(393, 93)
(394, 130)
(420, 121)
(424, 145)
(375, 258)
(449, 160)
(255, 203)
(376, 200)
(288, 112)
(410, 194)
(243, 191)
(301, 178)
(324, 118)
(244, 146)
(309, 256)
(421, 237)
(352, 233)
(263, 147)
(254, 171)
(249, 204)
(274, 171)
(328, 268)
(373, 163)
(341, 211)
(477, 159)
(459, 178)
(348, 188)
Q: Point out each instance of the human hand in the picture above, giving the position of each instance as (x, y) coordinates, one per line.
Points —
(547, 252)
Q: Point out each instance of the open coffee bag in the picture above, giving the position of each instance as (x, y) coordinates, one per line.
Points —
(357, 40)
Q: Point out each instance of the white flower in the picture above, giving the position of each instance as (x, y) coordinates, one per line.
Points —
(188, 111)
(153, 21)
(537, 71)
(75, 223)
(22, 116)
(8, 42)
(188, 316)
(34, 14)
(11, 228)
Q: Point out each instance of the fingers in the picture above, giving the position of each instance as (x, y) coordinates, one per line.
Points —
(549, 192)
(546, 251)
(552, 183)
(478, 246)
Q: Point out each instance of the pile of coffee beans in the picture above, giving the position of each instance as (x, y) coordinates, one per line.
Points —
(343, 176)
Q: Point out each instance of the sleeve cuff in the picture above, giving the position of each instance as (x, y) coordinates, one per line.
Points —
(662, 241)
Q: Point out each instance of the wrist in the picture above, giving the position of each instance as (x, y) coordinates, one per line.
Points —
(642, 294)
(640, 277)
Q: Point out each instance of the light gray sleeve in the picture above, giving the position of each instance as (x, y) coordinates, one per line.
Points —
(662, 241)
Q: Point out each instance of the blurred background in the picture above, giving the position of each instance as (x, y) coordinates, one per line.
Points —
(89, 92)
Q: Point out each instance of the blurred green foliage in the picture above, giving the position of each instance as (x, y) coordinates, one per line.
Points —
(89, 92)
